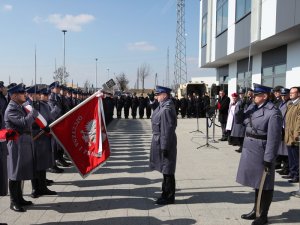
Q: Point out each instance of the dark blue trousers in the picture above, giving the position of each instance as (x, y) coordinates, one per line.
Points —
(293, 154)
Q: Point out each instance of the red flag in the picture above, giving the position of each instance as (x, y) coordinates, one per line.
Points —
(82, 134)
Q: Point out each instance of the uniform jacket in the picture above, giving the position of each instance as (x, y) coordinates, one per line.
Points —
(164, 122)
(283, 148)
(238, 129)
(20, 152)
(292, 123)
(267, 121)
(42, 146)
(3, 162)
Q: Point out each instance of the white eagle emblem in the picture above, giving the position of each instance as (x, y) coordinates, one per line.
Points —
(89, 134)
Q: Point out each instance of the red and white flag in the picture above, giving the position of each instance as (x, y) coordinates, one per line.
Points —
(82, 134)
(40, 120)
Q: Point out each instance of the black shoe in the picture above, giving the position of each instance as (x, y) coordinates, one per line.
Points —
(238, 150)
(164, 201)
(48, 192)
(16, 207)
(62, 162)
(55, 169)
(49, 182)
(284, 172)
(34, 194)
(262, 220)
(294, 180)
(287, 177)
(223, 139)
(249, 216)
(23, 202)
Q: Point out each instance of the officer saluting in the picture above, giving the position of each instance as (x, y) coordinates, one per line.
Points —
(164, 144)
(20, 152)
(263, 123)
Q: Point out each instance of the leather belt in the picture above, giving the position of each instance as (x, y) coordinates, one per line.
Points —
(257, 136)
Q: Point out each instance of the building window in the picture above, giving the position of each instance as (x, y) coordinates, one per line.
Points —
(204, 30)
(222, 16)
(274, 75)
(244, 80)
(243, 7)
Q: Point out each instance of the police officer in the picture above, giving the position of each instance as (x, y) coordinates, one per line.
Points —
(134, 105)
(127, 105)
(263, 123)
(44, 156)
(20, 153)
(223, 106)
(164, 144)
(238, 129)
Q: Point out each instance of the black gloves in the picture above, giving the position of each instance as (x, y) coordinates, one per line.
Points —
(46, 129)
(11, 135)
(165, 153)
(267, 166)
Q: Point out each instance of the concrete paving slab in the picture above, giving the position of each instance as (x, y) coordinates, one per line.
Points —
(124, 190)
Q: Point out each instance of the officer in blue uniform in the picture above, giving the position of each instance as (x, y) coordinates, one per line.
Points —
(20, 152)
(164, 143)
(263, 123)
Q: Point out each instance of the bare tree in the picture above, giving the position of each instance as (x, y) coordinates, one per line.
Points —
(143, 72)
(61, 75)
(122, 81)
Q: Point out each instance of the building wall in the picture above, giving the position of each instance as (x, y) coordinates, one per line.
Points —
(293, 65)
(266, 23)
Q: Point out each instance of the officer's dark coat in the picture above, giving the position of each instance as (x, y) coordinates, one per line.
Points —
(282, 147)
(224, 107)
(238, 129)
(164, 122)
(266, 120)
(20, 164)
(42, 146)
(3, 162)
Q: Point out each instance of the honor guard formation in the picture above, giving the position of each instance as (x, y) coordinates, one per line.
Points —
(263, 122)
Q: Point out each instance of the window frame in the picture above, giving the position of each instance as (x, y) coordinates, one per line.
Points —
(246, 11)
(204, 35)
(274, 75)
(220, 7)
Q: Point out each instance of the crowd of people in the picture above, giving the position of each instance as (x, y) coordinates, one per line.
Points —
(263, 122)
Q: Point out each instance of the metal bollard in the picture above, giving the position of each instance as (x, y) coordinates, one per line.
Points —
(297, 193)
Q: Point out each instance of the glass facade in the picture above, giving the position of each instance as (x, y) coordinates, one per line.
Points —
(243, 7)
(204, 30)
(244, 80)
(222, 16)
(274, 75)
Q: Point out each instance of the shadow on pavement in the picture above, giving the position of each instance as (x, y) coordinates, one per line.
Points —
(291, 216)
(130, 221)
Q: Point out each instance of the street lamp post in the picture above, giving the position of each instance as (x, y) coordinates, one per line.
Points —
(107, 73)
(96, 74)
(64, 72)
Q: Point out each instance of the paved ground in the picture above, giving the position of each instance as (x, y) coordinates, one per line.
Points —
(123, 191)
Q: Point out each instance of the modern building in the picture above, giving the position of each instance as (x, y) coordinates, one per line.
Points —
(251, 41)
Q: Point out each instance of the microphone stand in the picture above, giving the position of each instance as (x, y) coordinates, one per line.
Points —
(207, 144)
(197, 117)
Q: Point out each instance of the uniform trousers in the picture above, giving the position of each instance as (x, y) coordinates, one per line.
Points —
(168, 187)
(293, 154)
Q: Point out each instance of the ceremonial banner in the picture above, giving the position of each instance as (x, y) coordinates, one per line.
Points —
(82, 134)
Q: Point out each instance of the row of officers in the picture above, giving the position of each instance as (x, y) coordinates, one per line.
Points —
(188, 106)
(29, 151)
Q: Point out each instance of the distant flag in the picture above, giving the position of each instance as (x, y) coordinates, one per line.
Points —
(82, 133)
